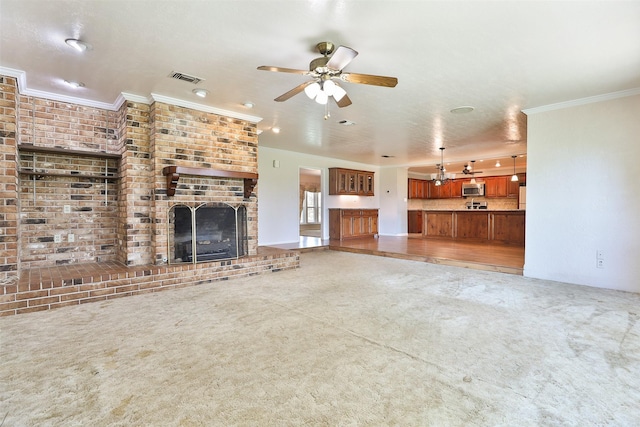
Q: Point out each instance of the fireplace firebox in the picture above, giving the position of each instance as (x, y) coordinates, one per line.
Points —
(208, 232)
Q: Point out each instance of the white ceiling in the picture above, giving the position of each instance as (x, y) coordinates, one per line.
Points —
(500, 57)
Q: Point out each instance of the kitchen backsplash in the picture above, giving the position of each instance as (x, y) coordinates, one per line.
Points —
(501, 204)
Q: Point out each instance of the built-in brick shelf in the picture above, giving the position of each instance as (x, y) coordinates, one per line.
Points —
(46, 288)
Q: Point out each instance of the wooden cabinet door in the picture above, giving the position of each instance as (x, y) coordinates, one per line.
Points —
(433, 191)
(495, 186)
(489, 187)
(346, 224)
(472, 225)
(338, 181)
(352, 182)
(414, 221)
(508, 227)
(513, 189)
(369, 221)
(456, 188)
(445, 190)
(368, 184)
(417, 188)
(438, 224)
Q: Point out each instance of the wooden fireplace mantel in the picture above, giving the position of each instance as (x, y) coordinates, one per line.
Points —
(173, 175)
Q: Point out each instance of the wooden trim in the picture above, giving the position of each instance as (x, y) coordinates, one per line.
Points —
(173, 176)
(56, 150)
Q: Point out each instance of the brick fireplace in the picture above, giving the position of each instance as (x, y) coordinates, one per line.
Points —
(87, 186)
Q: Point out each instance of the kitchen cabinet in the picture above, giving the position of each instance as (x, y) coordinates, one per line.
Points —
(350, 182)
(418, 188)
(508, 227)
(352, 223)
(442, 191)
(426, 189)
(513, 189)
(495, 186)
(477, 225)
(439, 224)
(472, 225)
(414, 221)
(456, 188)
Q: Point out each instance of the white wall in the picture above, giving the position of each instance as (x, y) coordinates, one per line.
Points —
(583, 182)
(278, 192)
(393, 202)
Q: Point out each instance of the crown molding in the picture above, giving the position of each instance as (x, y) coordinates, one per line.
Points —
(21, 78)
(204, 108)
(582, 101)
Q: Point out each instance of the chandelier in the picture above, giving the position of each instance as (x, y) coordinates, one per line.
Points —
(440, 177)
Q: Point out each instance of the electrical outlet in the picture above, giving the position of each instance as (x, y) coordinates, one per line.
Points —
(599, 254)
(600, 263)
(66, 209)
(71, 237)
(57, 238)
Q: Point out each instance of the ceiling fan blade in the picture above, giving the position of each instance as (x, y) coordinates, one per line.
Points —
(296, 90)
(282, 70)
(368, 79)
(341, 58)
(344, 101)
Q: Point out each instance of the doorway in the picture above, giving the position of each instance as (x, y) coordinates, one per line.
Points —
(310, 206)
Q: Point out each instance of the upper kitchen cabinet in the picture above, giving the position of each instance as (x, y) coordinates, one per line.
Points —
(350, 182)
(495, 186)
(418, 188)
(443, 191)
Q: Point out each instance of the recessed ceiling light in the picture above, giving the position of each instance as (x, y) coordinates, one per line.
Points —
(78, 45)
(74, 84)
(275, 129)
(202, 93)
(249, 104)
(462, 110)
(346, 123)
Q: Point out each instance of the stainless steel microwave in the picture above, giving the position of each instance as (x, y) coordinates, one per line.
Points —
(470, 190)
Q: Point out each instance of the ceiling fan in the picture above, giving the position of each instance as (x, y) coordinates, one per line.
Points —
(470, 169)
(324, 71)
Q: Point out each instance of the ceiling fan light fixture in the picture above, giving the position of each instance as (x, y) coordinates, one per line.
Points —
(339, 93)
(329, 87)
(312, 90)
(322, 97)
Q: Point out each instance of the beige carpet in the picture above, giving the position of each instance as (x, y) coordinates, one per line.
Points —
(346, 340)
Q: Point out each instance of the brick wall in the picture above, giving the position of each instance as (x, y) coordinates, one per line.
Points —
(136, 187)
(123, 220)
(87, 230)
(9, 261)
(185, 137)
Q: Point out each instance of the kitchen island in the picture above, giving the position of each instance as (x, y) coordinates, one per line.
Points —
(495, 226)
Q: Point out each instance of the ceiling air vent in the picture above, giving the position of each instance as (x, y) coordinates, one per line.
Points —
(185, 77)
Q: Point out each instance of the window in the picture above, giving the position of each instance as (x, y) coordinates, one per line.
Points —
(311, 208)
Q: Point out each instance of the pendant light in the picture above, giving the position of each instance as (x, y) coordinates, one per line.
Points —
(440, 177)
(473, 172)
(514, 177)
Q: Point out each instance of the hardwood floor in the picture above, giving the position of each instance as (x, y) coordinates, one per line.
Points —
(479, 256)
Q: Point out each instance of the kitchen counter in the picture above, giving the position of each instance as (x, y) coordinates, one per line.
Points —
(485, 225)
